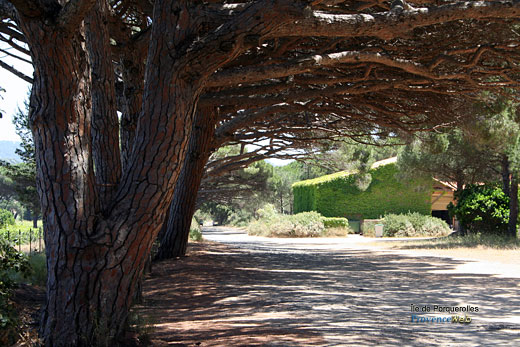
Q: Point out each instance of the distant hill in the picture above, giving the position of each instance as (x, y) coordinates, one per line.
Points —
(7, 151)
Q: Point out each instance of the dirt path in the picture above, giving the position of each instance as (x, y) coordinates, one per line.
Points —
(245, 291)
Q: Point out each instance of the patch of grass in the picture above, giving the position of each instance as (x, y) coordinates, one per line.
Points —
(469, 241)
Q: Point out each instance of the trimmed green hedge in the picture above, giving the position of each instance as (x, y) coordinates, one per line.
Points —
(335, 222)
(338, 195)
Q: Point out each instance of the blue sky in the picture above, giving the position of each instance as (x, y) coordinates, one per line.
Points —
(15, 92)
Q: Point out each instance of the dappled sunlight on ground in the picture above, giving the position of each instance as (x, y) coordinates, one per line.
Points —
(287, 292)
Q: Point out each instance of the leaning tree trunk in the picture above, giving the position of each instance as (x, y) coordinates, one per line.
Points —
(173, 237)
(513, 205)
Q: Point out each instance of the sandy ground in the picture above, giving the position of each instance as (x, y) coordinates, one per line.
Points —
(237, 290)
(482, 260)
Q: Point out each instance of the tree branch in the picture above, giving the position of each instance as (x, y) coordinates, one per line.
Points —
(16, 72)
(388, 25)
(300, 66)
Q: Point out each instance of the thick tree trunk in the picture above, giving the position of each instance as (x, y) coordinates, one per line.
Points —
(513, 205)
(97, 243)
(95, 255)
(174, 234)
(104, 122)
(132, 62)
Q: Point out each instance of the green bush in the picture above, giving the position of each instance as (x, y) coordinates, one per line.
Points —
(341, 195)
(397, 225)
(482, 209)
(335, 222)
(195, 230)
(6, 218)
(411, 224)
(11, 263)
(272, 224)
(336, 226)
(267, 212)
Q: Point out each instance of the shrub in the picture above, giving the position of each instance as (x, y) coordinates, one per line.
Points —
(482, 209)
(307, 224)
(335, 222)
(397, 225)
(11, 263)
(336, 226)
(38, 264)
(267, 212)
(6, 218)
(195, 231)
(412, 224)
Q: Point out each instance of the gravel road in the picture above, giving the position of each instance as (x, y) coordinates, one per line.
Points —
(237, 290)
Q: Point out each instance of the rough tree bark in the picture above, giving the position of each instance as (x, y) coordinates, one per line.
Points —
(96, 243)
(104, 122)
(133, 65)
(174, 234)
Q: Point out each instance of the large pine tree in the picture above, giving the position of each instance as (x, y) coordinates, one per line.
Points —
(338, 67)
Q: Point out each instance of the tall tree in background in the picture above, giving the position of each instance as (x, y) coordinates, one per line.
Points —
(334, 66)
(496, 133)
(486, 149)
(23, 175)
(23, 178)
(448, 155)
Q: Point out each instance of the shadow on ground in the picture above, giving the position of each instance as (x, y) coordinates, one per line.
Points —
(267, 294)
